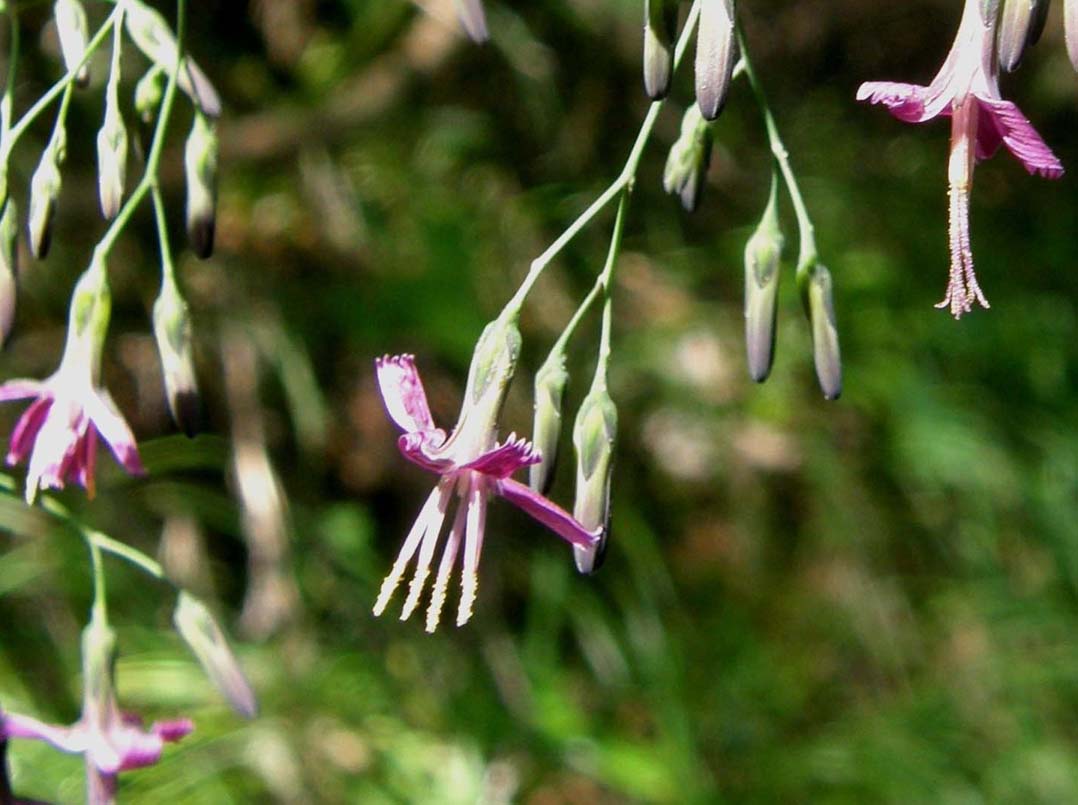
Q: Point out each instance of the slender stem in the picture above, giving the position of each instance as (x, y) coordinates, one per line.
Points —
(100, 595)
(128, 554)
(624, 180)
(168, 270)
(606, 278)
(149, 175)
(7, 105)
(807, 232)
(60, 86)
(578, 315)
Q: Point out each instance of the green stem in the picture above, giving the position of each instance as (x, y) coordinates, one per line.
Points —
(168, 270)
(7, 105)
(607, 278)
(149, 176)
(100, 596)
(622, 183)
(806, 231)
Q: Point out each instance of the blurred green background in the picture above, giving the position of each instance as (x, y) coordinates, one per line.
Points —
(874, 600)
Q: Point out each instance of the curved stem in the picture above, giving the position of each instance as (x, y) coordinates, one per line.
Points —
(807, 232)
(623, 182)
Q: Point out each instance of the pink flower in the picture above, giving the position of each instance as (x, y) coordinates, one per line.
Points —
(109, 741)
(60, 428)
(119, 745)
(967, 89)
(473, 466)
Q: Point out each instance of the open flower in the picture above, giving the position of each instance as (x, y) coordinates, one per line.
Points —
(967, 89)
(70, 409)
(110, 741)
(472, 465)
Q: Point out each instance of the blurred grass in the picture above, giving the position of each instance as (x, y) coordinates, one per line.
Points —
(868, 601)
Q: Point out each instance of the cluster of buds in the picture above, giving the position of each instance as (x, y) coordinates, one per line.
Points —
(717, 63)
(71, 409)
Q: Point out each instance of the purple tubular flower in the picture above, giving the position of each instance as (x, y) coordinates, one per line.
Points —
(967, 90)
(60, 428)
(473, 465)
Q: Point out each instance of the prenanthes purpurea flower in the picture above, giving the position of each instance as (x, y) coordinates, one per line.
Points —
(471, 463)
(967, 90)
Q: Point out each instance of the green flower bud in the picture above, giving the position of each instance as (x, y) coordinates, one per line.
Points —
(688, 160)
(111, 155)
(1020, 26)
(152, 35)
(172, 331)
(72, 30)
(660, 31)
(45, 193)
(716, 52)
(149, 91)
(88, 316)
(9, 266)
(98, 661)
(208, 643)
(816, 296)
(200, 163)
(550, 383)
(494, 362)
(762, 255)
(593, 437)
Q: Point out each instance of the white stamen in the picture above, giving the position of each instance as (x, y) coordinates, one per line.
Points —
(430, 516)
(445, 567)
(473, 545)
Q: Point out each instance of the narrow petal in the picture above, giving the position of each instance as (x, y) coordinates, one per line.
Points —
(67, 739)
(113, 428)
(21, 389)
(1021, 139)
(415, 447)
(26, 429)
(904, 101)
(403, 394)
(547, 512)
(445, 567)
(505, 459)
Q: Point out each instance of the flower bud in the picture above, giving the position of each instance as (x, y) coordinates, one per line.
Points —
(88, 316)
(593, 437)
(1070, 30)
(762, 255)
(111, 155)
(9, 266)
(98, 659)
(550, 383)
(687, 163)
(172, 331)
(44, 194)
(494, 362)
(149, 92)
(151, 34)
(1020, 26)
(473, 19)
(660, 31)
(72, 29)
(716, 51)
(200, 163)
(208, 643)
(816, 296)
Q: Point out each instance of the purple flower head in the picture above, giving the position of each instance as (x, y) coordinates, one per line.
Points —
(70, 409)
(967, 89)
(110, 741)
(473, 465)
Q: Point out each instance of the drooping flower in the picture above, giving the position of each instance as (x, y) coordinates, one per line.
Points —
(110, 741)
(967, 89)
(71, 409)
(472, 465)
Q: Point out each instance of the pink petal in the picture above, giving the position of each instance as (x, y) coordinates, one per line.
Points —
(1021, 139)
(173, 730)
(505, 459)
(904, 101)
(26, 429)
(21, 389)
(547, 512)
(403, 394)
(67, 739)
(114, 430)
(414, 446)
